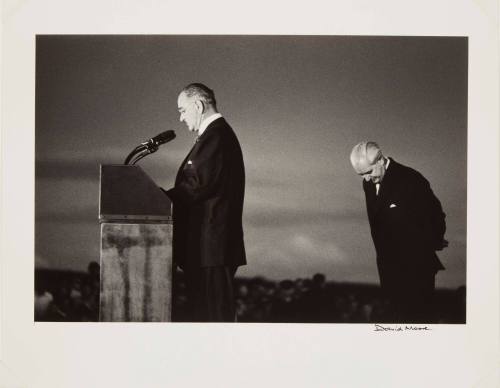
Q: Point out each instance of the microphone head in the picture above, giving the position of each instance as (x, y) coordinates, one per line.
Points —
(163, 137)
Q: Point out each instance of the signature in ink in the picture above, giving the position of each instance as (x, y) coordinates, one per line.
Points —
(401, 328)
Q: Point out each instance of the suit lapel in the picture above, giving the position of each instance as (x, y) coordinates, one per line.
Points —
(385, 187)
(181, 168)
(197, 143)
(371, 198)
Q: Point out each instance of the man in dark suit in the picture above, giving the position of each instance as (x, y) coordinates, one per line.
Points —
(407, 225)
(208, 205)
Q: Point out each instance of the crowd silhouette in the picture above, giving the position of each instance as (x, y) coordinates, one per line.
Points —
(66, 296)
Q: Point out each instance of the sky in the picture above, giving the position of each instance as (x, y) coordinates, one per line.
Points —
(298, 105)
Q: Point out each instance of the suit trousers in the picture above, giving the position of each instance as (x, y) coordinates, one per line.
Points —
(210, 294)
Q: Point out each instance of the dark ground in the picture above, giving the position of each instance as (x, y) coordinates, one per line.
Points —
(65, 296)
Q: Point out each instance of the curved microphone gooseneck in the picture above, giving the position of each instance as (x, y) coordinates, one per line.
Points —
(149, 147)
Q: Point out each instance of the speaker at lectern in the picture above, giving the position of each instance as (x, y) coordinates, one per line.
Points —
(135, 217)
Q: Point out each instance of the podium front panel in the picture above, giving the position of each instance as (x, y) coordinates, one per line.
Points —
(136, 272)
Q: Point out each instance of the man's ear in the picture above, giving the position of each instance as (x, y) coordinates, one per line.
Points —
(200, 107)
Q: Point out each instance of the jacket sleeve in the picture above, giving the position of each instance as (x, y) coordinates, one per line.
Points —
(433, 214)
(202, 174)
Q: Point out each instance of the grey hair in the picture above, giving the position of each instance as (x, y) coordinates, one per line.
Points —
(360, 151)
(203, 92)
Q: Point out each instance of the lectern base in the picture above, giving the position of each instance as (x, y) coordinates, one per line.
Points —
(136, 272)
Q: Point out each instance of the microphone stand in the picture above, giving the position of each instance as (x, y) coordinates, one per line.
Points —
(141, 155)
(133, 152)
(140, 152)
(149, 147)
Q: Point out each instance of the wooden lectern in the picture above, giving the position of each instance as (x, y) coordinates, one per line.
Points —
(136, 247)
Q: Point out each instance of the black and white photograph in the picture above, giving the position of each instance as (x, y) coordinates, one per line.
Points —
(249, 194)
(271, 219)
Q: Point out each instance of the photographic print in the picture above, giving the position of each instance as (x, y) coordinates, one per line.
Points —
(249, 194)
(313, 179)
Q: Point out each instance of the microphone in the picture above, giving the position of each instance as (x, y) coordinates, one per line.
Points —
(160, 139)
(150, 146)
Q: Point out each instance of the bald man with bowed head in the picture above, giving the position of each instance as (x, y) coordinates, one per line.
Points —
(407, 226)
(208, 205)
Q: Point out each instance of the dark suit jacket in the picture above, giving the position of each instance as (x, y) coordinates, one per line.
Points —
(407, 225)
(208, 201)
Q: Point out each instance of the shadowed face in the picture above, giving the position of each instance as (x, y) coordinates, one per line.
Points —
(189, 112)
(371, 166)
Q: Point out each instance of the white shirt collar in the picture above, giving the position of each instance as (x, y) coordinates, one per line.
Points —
(207, 121)
(377, 185)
